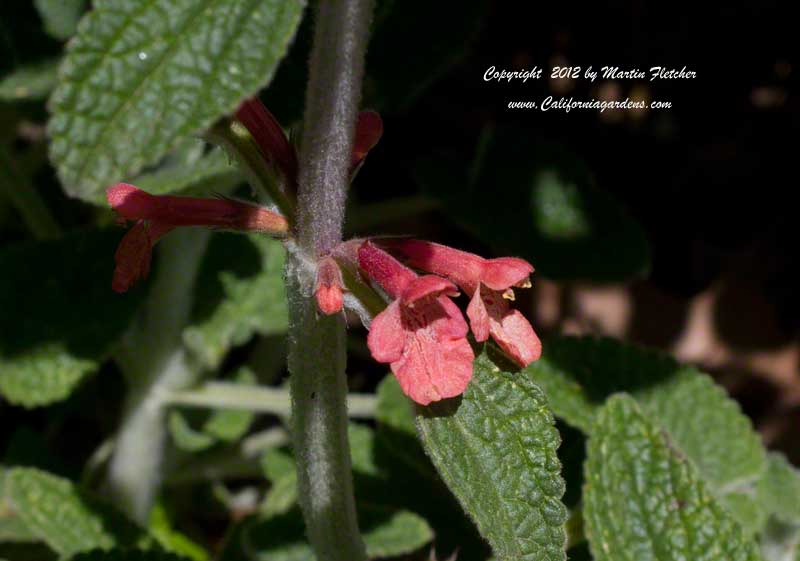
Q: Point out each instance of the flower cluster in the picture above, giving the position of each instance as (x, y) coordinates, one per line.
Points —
(421, 334)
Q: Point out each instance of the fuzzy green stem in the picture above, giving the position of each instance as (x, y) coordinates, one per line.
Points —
(155, 363)
(258, 399)
(334, 92)
(26, 199)
(317, 358)
(317, 346)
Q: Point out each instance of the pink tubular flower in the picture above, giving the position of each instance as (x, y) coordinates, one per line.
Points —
(369, 129)
(329, 286)
(155, 216)
(422, 333)
(489, 284)
(268, 134)
(276, 148)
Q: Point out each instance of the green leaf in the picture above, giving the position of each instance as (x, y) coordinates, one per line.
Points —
(138, 76)
(394, 409)
(394, 532)
(12, 529)
(280, 469)
(496, 448)
(386, 533)
(229, 425)
(745, 509)
(220, 426)
(61, 516)
(240, 293)
(29, 82)
(172, 540)
(49, 343)
(396, 431)
(127, 555)
(578, 374)
(562, 222)
(185, 437)
(362, 449)
(779, 489)
(60, 17)
(644, 501)
(211, 173)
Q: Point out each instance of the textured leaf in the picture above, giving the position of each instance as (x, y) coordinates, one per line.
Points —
(644, 501)
(29, 82)
(497, 451)
(57, 513)
(138, 76)
(211, 173)
(240, 293)
(745, 509)
(12, 529)
(578, 374)
(779, 489)
(60, 17)
(48, 343)
(562, 222)
(386, 533)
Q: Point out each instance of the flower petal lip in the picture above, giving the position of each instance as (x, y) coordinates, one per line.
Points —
(428, 285)
(422, 334)
(488, 282)
(386, 338)
(505, 272)
(478, 317)
(463, 268)
(516, 337)
(426, 347)
(133, 255)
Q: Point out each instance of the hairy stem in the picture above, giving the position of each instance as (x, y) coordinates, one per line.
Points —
(317, 358)
(155, 363)
(332, 98)
(258, 399)
(317, 351)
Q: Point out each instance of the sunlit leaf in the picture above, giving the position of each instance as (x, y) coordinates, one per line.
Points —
(496, 448)
(138, 76)
(644, 501)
